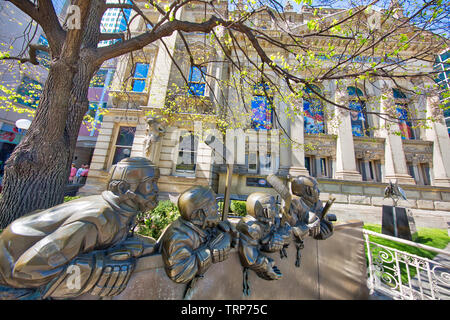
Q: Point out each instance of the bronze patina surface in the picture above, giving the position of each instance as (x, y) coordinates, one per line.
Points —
(260, 233)
(86, 246)
(334, 269)
(197, 239)
(303, 210)
(88, 236)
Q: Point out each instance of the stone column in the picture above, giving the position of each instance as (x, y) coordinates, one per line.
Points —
(284, 112)
(345, 150)
(137, 149)
(395, 167)
(441, 143)
(296, 125)
(222, 73)
(205, 157)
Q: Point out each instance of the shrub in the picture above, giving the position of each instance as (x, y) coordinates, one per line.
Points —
(238, 208)
(68, 198)
(152, 223)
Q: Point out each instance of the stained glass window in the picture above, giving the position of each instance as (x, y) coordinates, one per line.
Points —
(403, 115)
(313, 113)
(353, 91)
(43, 57)
(262, 112)
(357, 118)
(358, 115)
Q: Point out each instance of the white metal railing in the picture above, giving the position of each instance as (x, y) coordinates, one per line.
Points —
(402, 275)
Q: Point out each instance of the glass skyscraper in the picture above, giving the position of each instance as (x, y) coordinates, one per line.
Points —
(114, 20)
(443, 65)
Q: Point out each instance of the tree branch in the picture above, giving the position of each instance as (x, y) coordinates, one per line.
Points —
(120, 6)
(44, 14)
(33, 48)
(164, 30)
(111, 36)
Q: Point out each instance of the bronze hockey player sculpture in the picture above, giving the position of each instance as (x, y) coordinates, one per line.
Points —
(197, 239)
(87, 238)
(86, 245)
(304, 211)
(259, 233)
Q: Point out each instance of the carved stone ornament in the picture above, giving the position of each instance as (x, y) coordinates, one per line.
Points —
(322, 146)
(387, 101)
(154, 132)
(369, 150)
(342, 98)
(417, 151)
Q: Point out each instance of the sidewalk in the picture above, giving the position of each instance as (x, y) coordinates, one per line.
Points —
(371, 214)
(441, 271)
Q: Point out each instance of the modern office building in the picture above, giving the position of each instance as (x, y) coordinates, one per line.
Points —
(442, 66)
(114, 20)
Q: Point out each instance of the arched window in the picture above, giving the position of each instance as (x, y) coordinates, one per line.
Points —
(404, 117)
(262, 111)
(313, 112)
(358, 113)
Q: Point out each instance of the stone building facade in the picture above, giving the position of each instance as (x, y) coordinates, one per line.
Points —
(349, 162)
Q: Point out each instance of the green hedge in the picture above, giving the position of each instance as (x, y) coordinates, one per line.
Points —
(67, 198)
(237, 208)
(152, 223)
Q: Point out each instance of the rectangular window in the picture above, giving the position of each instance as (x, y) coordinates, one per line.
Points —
(29, 92)
(420, 173)
(251, 160)
(370, 170)
(308, 165)
(197, 82)
(99, 78)
(187, 153)
(411, 170)
(426, 173)
(318, 167)
(257, 162)
(138, 83)
(43, 57)
(124, 142)
(95, 111)
(265, 163)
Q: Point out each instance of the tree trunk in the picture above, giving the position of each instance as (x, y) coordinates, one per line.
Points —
(38, 169)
